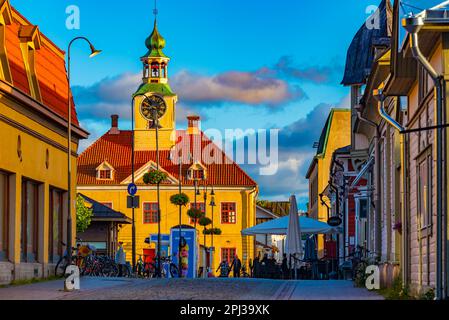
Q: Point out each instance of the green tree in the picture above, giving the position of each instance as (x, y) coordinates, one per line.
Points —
(83, 215)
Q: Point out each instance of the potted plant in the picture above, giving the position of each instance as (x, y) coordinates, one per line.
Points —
(398, 227)
(214, 231)
(180, 199)
(195, 214)
(204, 222)
(154, 177)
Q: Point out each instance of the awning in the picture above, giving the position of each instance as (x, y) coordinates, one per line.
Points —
(279, 227)
(363, 171)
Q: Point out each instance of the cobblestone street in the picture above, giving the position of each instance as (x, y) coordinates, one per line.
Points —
(186, 289)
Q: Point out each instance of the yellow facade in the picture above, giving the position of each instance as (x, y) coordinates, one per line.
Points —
(33, 154)
(230, 238)
(336, 134)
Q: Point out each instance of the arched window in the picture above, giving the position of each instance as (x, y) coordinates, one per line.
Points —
(163, 70)
(146, 70)
(155, 70)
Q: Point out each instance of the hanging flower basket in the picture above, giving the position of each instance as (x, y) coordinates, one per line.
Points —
(194, 213)
(179, 199)
(204, 221)
(398, 227)
(214, 231)
(154, 177)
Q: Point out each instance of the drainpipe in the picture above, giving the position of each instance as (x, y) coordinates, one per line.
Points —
(378, 94)
(413, 25)
(377, 159)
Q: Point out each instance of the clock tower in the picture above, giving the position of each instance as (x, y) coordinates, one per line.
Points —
(154, 100)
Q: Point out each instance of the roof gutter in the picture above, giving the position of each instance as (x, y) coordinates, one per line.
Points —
(413, 24)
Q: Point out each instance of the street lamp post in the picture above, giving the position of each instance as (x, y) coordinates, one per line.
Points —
(205, 193)
(212, 249)
(156, 124)
(93, 53)
(180, 212)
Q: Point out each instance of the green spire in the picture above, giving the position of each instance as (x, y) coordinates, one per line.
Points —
(155, 43)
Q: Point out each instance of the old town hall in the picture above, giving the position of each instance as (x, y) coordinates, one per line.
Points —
(219, 187)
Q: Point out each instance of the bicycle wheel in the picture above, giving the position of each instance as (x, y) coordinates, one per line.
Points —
(60, 267)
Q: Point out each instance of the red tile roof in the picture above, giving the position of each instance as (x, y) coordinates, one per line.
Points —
(50, 68)
(116, 149)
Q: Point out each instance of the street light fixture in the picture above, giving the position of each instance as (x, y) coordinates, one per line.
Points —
(94, 52)
(170, 158)
(156, 125)
(212, 193)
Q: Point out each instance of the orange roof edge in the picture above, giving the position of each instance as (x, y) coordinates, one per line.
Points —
(50, 44)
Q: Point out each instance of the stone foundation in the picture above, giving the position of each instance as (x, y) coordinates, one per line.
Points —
(388, 273)
(24, 271)
(6, 273)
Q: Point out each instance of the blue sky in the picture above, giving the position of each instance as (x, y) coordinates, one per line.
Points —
(295, 46)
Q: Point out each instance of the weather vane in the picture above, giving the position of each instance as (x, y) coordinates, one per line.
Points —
(155, 11)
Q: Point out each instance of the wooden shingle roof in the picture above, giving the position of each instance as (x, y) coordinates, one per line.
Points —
(376, 32)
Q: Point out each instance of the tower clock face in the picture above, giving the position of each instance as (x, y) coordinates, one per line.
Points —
(153, 106)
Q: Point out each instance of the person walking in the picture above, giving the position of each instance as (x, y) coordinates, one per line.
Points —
(236, 266)
(284, 267)
(256, 267)
(224, 269)
(120, 259)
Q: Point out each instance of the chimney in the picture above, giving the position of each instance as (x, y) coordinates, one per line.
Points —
(194, 122)
(114, 125)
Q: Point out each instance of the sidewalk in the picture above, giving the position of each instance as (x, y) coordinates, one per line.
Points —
(54, 290)
(190, 289)
(324, 290)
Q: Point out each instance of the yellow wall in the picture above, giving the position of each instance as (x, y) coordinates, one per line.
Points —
(33, 134)
(230, 238)
(339, 137)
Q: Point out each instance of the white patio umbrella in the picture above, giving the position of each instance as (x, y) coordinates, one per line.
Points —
(279, 226)
(293, 245)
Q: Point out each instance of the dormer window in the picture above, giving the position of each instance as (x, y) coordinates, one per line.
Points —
(5, 19)
(30, 42)
(105, 174)
(105, 171)
(155, 70)
(197, 172)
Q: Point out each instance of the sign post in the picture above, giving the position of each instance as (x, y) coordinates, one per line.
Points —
(132, 203)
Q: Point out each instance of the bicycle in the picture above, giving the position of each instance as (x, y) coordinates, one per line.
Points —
(244, 273)
(361, 259)
(166, 263)
(63, 262)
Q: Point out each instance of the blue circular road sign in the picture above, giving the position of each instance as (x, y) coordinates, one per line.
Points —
(132, 189)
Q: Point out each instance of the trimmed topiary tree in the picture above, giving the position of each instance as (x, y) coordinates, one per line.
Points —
(154, 177)
(180, 199)
(204, 222)
(195, 214)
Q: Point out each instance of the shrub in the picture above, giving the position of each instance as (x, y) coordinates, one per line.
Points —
(214, 231)
(194, 213)
(179, 199)
(154, 177)
(204, 221)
